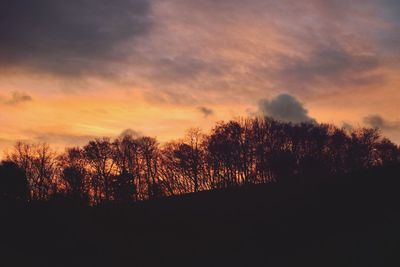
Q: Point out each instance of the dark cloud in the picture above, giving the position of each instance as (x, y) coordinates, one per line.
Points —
(393, 9)
(285, 107)
(205, 111)
(68, 37)
(18, 97)
(131, 133)
(377, 121)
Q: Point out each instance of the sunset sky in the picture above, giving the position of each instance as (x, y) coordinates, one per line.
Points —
(79, 69)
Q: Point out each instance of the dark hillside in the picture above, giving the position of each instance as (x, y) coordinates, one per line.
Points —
(346, 221)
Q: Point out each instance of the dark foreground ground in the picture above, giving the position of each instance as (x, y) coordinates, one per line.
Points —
(351, 221)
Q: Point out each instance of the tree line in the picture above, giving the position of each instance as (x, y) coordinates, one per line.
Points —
(234, 153)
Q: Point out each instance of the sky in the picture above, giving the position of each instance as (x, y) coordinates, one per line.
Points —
(75, 70)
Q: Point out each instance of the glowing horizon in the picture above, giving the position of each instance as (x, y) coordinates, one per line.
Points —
(160, 67)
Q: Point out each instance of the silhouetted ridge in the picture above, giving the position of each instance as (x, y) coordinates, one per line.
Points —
(349, 220)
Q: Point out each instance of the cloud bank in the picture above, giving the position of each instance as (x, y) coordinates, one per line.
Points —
(197, 47)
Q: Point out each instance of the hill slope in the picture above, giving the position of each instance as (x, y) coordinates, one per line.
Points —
(346, 221)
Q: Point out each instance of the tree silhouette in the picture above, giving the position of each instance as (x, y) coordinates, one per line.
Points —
(123, 187)
(127, 159)
(149, 166)
(13, 182)
(99, 157)
(38, 162)
(74, 174)
(182, 163)
(234, 153)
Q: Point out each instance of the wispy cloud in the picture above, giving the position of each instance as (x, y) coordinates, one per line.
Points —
(205, 111)
(62, 138)
(17, 97)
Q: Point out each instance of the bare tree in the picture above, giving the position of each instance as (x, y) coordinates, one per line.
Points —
(149, 154)
(127, 160)
(100, 159)
(39, 164)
